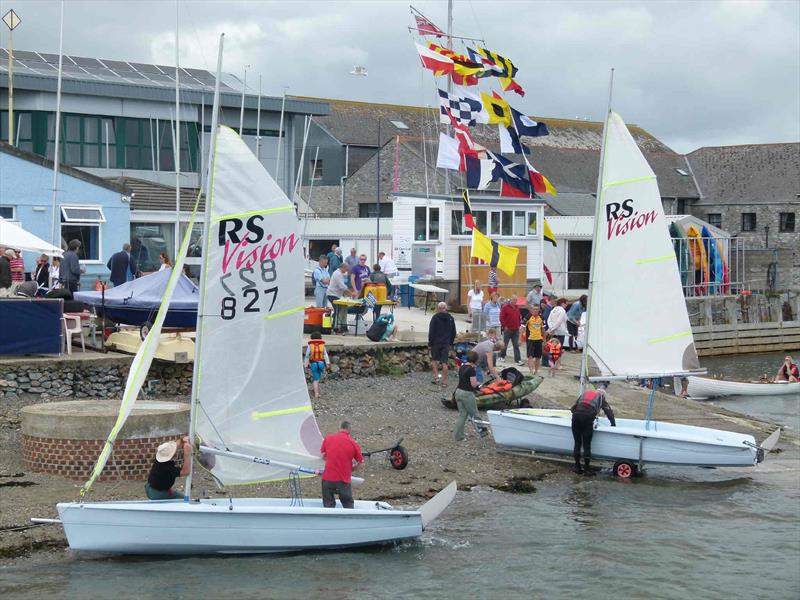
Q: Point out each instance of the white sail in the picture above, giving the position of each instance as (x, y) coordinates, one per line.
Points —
(637, 313)
(252, 395)
(140, 366)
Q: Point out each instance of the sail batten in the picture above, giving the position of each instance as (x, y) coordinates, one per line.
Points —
(252, 388)
(639, 323)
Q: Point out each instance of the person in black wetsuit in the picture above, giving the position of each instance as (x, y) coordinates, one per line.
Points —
(164, 471)
(584, 412)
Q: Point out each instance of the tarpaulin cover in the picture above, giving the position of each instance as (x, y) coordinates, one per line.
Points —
(30, 326)
(146, 292)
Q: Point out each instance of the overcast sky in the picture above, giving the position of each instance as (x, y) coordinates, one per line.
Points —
(695, 73)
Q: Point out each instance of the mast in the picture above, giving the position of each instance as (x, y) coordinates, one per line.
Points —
(56, 240)
(258, 124)
(204, 272)
(280, 139)
(449, 84)
(595, 235)
(177, 139)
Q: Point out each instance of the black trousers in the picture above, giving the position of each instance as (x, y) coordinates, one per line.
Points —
(331, 489)
(572, 328)
(582, 430)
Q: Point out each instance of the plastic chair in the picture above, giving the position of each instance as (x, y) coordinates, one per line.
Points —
(70, 331)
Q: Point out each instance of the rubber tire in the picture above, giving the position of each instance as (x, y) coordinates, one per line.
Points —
(145, 329)
(624, 469)
(398, 458)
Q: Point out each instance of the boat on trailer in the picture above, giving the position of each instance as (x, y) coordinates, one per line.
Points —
(702, 388)
(251, 417)
(637, 327)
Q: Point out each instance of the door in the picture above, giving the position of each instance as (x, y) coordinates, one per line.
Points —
(578, 260)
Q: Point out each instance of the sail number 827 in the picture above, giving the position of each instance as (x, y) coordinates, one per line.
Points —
(250, 293)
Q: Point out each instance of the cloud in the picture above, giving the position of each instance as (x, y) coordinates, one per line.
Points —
(692, 73)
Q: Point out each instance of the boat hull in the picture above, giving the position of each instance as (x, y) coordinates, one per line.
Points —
(705, 387)
(183, 318)
(664, 443)
(242, 526)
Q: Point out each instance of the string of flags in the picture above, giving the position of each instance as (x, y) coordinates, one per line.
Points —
(463, 109)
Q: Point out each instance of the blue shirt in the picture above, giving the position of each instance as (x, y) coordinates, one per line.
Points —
(492, 312)
(319, 275)
(575, 311)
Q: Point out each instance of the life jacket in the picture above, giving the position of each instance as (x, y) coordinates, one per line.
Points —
(317, 351)
(792, 371)
(590, 403)
(496, 386)
(554, 349)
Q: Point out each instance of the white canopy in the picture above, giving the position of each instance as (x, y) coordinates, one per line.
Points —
(14, 236)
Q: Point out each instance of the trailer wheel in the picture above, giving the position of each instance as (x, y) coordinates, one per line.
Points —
(398, 457)
(145, 329)
(624, 469)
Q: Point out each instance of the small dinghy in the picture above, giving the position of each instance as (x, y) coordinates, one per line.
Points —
(702, 388)
(249, 404)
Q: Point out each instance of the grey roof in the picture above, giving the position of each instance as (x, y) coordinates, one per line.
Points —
(569, 157)
(38, 71)
(147, 195)
(572, 204)
(63, 169)
(752, 173)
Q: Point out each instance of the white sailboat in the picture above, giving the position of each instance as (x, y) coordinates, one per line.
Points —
(638, 327)
(250, 404)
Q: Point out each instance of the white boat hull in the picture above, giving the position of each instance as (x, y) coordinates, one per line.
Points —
(243, 526)
(705, 387)
(665, 443)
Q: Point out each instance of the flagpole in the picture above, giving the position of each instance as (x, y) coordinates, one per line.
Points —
(378, 194)
(56, 241)
(595, 236)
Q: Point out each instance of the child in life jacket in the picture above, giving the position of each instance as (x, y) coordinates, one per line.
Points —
(316, 359)
(553, 350)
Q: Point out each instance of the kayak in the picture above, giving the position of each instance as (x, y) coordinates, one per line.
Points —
(502, 400)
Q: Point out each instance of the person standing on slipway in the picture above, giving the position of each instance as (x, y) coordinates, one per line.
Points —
(339, 451)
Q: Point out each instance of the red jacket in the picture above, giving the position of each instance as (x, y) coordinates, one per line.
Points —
(510, 317)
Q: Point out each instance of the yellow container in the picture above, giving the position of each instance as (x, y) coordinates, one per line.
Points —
(378, 290)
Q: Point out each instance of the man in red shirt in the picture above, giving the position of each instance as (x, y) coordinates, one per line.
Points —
(510, 321)
(339, 451)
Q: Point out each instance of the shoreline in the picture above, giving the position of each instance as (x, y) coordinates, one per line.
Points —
(381, 409)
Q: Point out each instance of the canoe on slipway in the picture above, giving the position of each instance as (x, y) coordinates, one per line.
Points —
(251, 418)
(502, 400)
(702, 388)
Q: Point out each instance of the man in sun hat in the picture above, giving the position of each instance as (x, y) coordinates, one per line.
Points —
(164, 470)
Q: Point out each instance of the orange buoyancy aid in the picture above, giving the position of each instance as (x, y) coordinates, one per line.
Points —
(554, 349)
(317, 353)
(496, 386)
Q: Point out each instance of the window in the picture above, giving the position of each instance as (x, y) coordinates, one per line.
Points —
(748, 221)
(148, 240)
(195, 249)
(714, 219)
(507, 226)
(532, 228)
(7, 212)
(520, 230)
(426, 223)
(457, 226)
(494, 223)
(399, 124)
(315, 168)
(786, 222)
(91, 214)
(480, 219)
(367, 210)
(82, 224)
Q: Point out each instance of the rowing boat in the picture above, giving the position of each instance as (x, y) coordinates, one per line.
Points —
(701, 388)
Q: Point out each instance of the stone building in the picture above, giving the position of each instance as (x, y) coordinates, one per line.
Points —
(753, 192)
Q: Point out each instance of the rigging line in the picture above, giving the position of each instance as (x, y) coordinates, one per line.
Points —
(477, 23)
(214, 427)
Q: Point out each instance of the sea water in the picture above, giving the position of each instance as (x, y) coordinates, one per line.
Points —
(675, 533)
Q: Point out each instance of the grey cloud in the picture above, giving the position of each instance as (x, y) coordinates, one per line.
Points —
(692, 73)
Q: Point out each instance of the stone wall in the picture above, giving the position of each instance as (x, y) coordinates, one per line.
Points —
(105, 378)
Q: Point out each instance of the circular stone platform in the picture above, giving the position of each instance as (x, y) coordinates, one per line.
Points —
(65, 438)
